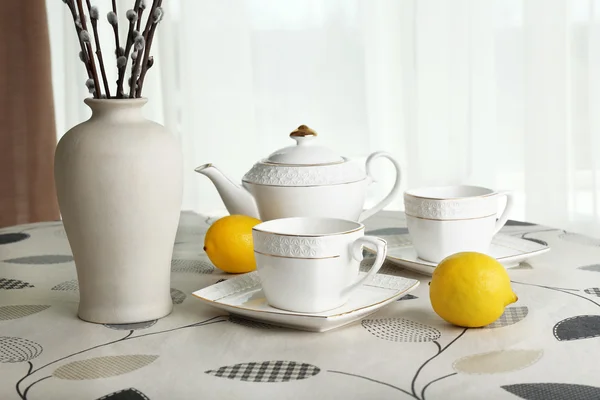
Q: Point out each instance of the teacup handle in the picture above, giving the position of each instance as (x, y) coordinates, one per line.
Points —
(356, 249)
(510, 201)
(387, 199)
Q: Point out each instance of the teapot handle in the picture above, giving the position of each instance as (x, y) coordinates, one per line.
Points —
(387, 199)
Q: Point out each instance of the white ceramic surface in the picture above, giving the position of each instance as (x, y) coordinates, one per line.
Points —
(312, 265)
(510, 251)
(451, 219)
(302, 180)
(243, 295)
(119, 184)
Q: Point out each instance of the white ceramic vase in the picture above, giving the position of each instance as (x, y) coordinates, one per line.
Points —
(119, 186)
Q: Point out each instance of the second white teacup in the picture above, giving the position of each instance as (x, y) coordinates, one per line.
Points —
(449, 219)
(311, 264)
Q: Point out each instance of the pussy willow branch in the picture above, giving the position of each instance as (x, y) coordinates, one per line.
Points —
(149, 36)
(88, 45)
(127, 49)
(115, 27)
(86, 59)
(140, 11)
(94, 22)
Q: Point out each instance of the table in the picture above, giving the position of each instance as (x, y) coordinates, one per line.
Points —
(545, 347)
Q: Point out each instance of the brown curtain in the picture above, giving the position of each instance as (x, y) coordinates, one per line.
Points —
(27, 128)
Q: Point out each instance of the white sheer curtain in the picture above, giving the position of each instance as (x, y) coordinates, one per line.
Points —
(500, 93)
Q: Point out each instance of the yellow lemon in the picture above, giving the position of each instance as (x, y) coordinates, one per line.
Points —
(470, 289)
(228, 243)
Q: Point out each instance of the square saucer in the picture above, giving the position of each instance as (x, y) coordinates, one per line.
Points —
(243, 296)
(508, 250)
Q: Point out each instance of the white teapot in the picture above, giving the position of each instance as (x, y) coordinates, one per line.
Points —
(304, 180)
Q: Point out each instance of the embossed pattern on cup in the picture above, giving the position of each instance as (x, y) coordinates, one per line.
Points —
(451, 202)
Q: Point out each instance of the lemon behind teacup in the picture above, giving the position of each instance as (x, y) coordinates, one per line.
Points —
(228, 244)
(470, 289)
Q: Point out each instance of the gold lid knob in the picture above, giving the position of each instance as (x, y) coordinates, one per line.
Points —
(303, 131)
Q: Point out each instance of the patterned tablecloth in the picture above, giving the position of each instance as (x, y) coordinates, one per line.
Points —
(545, 347)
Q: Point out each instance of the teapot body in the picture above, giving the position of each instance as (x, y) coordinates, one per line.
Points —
(343, 201)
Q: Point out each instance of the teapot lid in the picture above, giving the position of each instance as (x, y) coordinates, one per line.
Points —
(305, 152)
(305, 164)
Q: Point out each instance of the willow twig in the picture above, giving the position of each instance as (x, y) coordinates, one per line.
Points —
(88, 46)
(130, 38)
(140, 13)
(84, 56)
(151, 25)
(94, 20)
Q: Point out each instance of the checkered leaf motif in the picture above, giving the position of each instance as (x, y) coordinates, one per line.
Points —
(15, 349)
(267, 371)
(553, 391)
(72, 285)
(511, 316)
(593, 291)
(19, 311)
(131, 327)
(252, 324)
(10, 284)
(177, 296)
(408, 297)
(387, 268)
(192, 266)
(103, 367)
(125, 394)
(400, 330)
(43, 259)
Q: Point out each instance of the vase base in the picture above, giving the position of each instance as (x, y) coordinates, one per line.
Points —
(114, 317)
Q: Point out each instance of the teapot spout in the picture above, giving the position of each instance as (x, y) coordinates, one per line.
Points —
(237, 200)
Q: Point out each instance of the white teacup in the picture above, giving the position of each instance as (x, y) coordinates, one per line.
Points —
(311, 264)
(450, 219)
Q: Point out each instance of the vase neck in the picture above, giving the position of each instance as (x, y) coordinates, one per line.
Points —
(121, 109)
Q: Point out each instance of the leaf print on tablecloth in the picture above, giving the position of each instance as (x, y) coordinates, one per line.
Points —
(103, 367)
(593, 291)
(553, 391)
(132, 327)
(593, 267)
(14, 349)
(400, 330)
(252, 324)
(579, 327)
(511, 316)
(177, 296)
(407, 297)
(125, 394)
(72, 285)
(8, 238)
(267, 371)
(496, 362)
(10, 284)
(192, 266)
(19, 311)
(44, 259)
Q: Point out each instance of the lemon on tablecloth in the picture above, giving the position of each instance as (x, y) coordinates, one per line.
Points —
(470, 289)
(228, 243)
